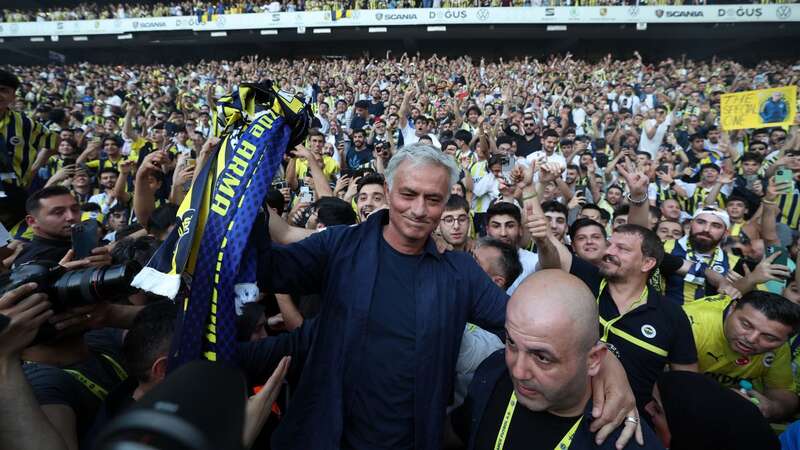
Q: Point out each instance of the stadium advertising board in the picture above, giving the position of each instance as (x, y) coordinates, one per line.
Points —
(407, 17)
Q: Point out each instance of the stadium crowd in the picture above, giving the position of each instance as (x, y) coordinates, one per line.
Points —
(208, 10)
(590, 192)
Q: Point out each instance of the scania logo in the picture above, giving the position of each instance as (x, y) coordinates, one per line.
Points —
(135, 24)
(659, 12)
(784, 12)
(483, 14)
(378, 16)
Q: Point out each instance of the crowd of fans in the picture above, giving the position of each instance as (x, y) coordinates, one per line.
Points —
(208, 10)
(614, 171)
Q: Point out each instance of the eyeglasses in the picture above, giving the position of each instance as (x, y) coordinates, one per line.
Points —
(460, 219)
(528, 124)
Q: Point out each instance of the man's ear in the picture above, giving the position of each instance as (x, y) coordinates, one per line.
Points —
(649, 264)
(159, 369)
(499, 280)
(595, 358)
(30, 220)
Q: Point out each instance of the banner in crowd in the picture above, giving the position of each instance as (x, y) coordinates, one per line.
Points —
(758, 109)
(417, 16)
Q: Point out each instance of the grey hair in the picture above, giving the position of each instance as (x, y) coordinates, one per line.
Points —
(422, 155)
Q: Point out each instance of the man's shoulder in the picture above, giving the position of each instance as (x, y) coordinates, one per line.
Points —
(703, 310)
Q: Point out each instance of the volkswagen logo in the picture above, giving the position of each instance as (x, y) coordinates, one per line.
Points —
(784, 12)
(483, 14)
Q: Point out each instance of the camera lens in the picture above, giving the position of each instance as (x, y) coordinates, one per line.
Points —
(86, 286)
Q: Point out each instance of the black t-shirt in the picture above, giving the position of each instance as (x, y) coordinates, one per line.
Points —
(375, 109)
(55, 386)
(648, 338)
(41, 249)
(525, 147)
(382, 413)
(529, 430)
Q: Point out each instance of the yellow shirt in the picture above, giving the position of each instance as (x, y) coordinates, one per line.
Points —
(329, 167)
(718, 360)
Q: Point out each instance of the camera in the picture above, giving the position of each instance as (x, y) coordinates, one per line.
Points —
(67, 289)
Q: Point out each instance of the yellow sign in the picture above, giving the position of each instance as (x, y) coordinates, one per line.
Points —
(758, 109)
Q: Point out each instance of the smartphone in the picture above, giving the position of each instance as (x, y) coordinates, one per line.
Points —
(84, 238)
(663, 168)
(306, 196)
(783, 175)
(191, 162)
(783, 259)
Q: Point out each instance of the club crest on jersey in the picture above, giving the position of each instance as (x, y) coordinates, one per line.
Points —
(648, 331)
(769, 358)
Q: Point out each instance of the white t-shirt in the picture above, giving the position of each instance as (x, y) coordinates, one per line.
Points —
(410, 136)
(104, 200)
(651, 145)
(529, 261)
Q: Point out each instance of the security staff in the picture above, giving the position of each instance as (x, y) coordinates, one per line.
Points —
(646, 332)
(539, 398)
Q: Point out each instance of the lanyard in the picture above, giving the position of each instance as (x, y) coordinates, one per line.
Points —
(563, 444)
(608, 324)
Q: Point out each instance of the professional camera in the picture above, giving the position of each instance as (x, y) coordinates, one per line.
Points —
(67, 289)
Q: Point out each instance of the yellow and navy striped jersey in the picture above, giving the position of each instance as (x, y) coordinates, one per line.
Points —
(789, 205)
(21, 138)
(685, 289)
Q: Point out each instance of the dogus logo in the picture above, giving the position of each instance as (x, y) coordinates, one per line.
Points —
(448, 14)
(739, 12)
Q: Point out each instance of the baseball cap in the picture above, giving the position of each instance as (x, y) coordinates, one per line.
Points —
(718, 213)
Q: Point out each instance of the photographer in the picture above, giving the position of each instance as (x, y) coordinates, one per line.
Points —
(23, 425)
(72, 369)
(51, 213)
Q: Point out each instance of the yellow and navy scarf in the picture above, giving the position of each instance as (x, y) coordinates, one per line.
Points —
(208, 250)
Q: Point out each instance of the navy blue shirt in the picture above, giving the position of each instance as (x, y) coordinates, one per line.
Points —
(382, 413)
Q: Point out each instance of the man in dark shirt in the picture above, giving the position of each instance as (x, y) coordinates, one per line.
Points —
(541, 397)
(51, 213)
(358, 152)
(640, 327)
(360, 116)
(527, 141)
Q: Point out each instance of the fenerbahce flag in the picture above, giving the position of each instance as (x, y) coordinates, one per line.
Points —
(208, 247)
